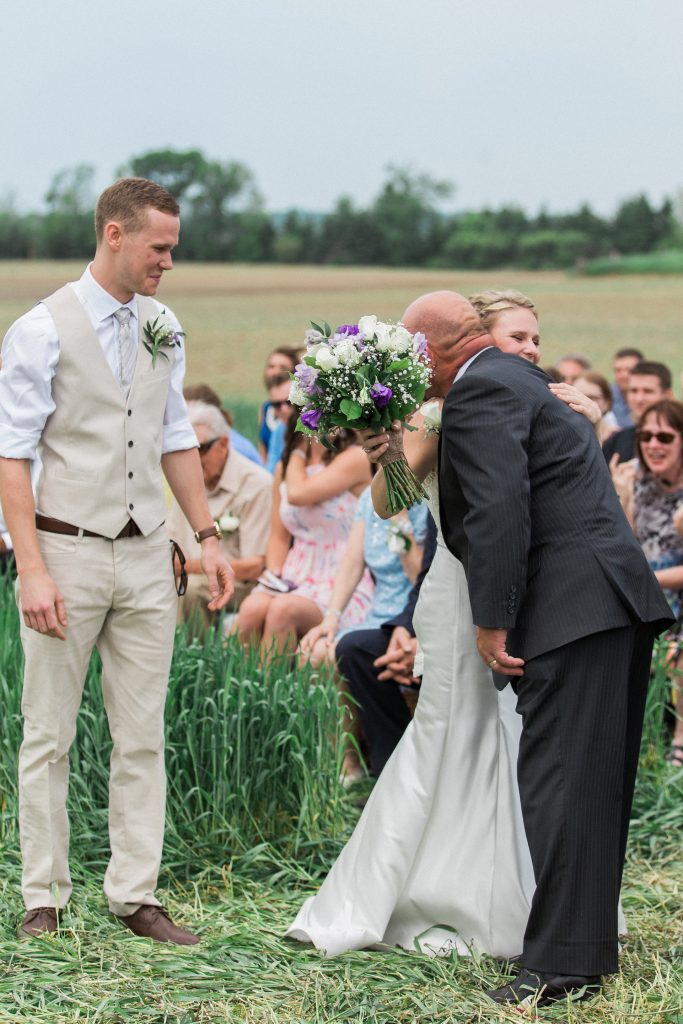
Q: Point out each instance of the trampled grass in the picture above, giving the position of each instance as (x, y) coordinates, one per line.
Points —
(234, 315)
(255, 818)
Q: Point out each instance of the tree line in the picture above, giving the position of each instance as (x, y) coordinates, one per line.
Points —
(224, 219)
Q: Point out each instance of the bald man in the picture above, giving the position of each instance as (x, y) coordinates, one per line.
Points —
(567, 609)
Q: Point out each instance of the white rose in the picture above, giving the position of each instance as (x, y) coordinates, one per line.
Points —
(367, 326)
(297, 395)
(402, 340)
(431, 413)
(326, 359)
(347, 353)
(228, 523)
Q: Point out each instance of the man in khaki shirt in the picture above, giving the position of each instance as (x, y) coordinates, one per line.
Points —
(240, 499)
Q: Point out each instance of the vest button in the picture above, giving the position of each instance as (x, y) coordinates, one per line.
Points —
(130, 476)
(130, 412)
(130, 444)
(131, 507)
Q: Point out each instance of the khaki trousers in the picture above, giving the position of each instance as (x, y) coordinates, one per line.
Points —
(120, 597)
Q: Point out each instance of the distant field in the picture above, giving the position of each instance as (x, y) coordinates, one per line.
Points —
(233, 315)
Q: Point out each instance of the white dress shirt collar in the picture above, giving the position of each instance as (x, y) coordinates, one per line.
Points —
(99, 301)
(469, 362)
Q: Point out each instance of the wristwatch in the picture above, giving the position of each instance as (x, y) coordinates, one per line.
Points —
(210, 531)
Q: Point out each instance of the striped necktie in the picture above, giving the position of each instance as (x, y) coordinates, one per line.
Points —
(127, 348)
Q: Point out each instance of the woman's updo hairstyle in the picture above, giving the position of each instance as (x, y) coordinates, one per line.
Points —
(490, 304)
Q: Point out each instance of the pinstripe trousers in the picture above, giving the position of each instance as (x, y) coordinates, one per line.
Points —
(582, 708)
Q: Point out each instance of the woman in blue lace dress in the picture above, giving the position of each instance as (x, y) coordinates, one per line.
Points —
(392, 551)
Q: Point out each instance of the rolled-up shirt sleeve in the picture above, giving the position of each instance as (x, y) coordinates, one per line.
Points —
(30, 354)
(178, 434)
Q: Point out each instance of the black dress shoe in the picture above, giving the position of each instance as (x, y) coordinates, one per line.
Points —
(532, 988)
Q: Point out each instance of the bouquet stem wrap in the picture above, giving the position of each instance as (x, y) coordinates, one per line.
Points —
(403, 487)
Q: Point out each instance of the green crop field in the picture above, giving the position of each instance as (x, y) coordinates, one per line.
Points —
(255, 813)
(233, 315)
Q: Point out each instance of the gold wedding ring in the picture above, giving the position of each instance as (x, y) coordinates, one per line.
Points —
(493, 662)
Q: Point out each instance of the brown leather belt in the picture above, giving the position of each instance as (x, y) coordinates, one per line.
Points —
(49, 525)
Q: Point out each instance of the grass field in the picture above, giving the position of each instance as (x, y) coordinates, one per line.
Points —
(234, 315)
(255, 815)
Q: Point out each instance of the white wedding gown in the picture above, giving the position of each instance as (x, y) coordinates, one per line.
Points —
(438, 858)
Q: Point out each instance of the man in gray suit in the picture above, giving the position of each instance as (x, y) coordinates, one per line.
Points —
(565, 606)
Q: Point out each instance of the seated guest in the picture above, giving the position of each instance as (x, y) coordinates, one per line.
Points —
(239, 494)
(572, 366)
(281, 411)
(596, 387)
(624, 361)
(279, 364)
(315, 493)
(648, 382)
(650, 488)
(392, 550)
(377, 665)
(238, 442)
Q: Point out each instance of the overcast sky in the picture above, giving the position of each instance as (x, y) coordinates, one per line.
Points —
(515, 101)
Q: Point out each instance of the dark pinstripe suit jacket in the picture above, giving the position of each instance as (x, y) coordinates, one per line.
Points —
(528, 506)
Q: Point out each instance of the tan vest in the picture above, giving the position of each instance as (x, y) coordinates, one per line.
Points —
(101, 450)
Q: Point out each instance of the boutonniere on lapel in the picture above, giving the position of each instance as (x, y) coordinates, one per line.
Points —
(158, 334)
(228, 522)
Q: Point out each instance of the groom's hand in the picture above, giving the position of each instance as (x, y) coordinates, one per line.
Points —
(491, 647)
(42, 604)
(219, 574)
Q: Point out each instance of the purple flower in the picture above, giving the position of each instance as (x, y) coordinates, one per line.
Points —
(420, 343)
(311, 418)
(347, 329)
(380, 394)
(306, 377)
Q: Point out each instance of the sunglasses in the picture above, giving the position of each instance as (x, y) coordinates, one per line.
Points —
(661, 436)
(181, 580)
(278, 405)
(207, 445)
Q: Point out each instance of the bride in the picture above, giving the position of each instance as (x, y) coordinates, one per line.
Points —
(439, 860)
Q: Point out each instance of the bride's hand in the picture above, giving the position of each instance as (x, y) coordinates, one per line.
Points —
(577, 401)
(375, 445)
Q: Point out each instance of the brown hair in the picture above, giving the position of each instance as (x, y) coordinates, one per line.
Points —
(342, 440)
(289, 352)
(490, 304)
(597, 378)
(126, 201)
(667, 409)
(204, 393)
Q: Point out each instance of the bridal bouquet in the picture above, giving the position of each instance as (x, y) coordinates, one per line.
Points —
(362, 376)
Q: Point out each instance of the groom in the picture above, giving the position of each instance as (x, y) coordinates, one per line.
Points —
(565, 605)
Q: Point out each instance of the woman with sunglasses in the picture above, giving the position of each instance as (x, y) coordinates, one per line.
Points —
(650, 488)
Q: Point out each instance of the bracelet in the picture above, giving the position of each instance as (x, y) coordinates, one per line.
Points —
(301, 452)
(334, 611)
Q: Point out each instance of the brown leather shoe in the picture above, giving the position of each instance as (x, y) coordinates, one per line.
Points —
(154, 922)
(38, 922)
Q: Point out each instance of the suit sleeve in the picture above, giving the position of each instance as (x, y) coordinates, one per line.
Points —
(485, 433)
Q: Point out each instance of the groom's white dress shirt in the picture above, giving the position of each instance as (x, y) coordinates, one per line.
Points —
(30, 355)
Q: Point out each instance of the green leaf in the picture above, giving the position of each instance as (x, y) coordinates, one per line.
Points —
(352, 410)
(328, 330)
(317, 327)
(399, 364)
(394, 409)
(310, 360)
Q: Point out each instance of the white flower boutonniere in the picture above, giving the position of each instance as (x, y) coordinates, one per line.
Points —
(399, 539)
(158, 334)
(228, 523)
(431, 413)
